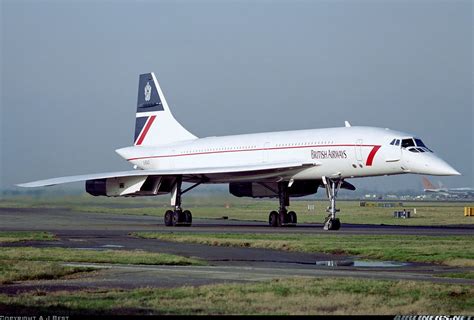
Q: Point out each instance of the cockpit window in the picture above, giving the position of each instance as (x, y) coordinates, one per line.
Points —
(414, 145)
(395, 142)
(407, 143)
(419, 143)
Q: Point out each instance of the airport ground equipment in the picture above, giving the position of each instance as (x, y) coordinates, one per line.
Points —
(404, 214)
(380, 204)
(468, 211)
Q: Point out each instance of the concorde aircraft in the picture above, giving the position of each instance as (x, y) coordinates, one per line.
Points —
(274, 164)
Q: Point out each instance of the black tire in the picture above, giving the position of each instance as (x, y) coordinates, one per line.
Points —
(292, 217)
(168, 218)
(188, 217)
(283, 218)
(334, 224)
(273, 219)
(176, 216)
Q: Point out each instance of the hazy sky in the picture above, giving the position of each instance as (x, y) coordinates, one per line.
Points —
(70, 74)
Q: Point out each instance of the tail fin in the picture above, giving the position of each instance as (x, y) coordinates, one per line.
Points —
(155, 125)
(427, 184)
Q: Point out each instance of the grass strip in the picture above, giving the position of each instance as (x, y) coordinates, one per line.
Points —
(27, 263)
(213, 207)
(18, 236)
(449, 250)
(14, 270)
(93, 256)
(459, 275)
(323, 296)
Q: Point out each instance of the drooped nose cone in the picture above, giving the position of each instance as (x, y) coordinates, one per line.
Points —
(441, 168)
(430, 164)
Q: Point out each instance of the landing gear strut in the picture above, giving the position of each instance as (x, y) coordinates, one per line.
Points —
(332, 188)
(178, 217)
(282, 217)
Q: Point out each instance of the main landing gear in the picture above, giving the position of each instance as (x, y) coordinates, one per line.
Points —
(282, 217)
(178, 217)
(332, 188)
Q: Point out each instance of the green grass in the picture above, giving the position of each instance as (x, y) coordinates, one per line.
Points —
(449, 250)
(428, 213)
(18, 236)
(324, 296)
(459, 275)
(258, 210)
(15, 270)
(27, 263)
(102, 256)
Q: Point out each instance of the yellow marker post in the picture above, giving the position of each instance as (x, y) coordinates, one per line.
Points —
(468, 211)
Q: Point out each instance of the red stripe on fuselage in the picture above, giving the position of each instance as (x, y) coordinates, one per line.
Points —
(257, 149)
(145, 131)
(371, 156)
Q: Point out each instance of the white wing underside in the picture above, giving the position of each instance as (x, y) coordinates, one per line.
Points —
(275, 171)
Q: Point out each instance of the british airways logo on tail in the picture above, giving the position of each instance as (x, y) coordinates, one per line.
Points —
(147, 92)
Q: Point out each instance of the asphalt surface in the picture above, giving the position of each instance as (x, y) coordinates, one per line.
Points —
(96, 231)
(59, 219)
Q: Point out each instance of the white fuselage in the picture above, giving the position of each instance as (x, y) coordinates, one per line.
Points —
(336, 152)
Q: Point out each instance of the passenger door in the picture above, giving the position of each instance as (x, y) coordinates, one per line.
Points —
(358, 151)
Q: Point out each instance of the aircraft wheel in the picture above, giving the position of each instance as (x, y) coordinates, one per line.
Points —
(176, 217)
(284, 218)
(332, 224)
(292, 217)
(273, 219)
(188, 217)
(168, 218)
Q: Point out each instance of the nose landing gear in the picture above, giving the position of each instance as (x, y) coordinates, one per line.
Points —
(332, 188)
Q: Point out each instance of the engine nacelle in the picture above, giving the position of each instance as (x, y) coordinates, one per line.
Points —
(130, 186)
(270, 190)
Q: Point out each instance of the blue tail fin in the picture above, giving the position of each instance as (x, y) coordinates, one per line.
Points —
(154, 124)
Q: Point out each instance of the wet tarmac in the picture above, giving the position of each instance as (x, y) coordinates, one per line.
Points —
(96, 231)
(59, 219)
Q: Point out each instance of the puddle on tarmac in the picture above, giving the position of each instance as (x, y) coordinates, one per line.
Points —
(360, 263)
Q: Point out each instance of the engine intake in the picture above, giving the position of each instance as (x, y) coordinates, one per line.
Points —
(130, 186)
(270, 190)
